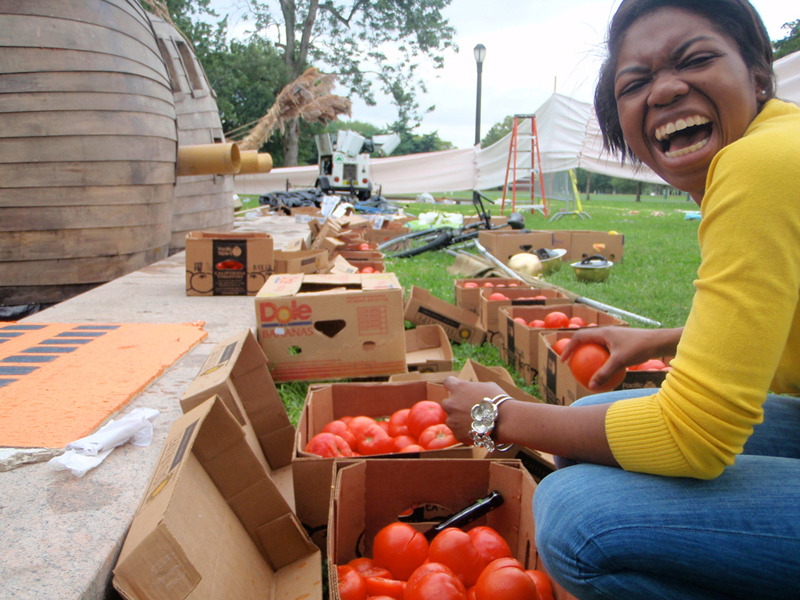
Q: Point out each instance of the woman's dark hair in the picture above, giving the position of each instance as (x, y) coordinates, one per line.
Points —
(735, 18)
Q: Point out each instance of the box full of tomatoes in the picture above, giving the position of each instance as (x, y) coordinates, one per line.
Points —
(492, 300)
(563, 383)
(523, 324)
(342, 421)
(227, 264)
(391, 531)
(468, 291)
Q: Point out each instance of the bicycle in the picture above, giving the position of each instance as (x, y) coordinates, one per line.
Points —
(419, 242)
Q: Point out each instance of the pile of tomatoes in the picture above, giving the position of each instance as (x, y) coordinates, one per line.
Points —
(421, 427)
(456, 565)
(556, 320)
(489, 284)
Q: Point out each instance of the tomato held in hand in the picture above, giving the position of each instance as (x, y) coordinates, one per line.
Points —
(556, 320)
(328, 445)
(453, 548)
(351, 584)
(400, 548)
(585, 361)
(489, 544)
(437, 436)
(424, 414)
(505, 579)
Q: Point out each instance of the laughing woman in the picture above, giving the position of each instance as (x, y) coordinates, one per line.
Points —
(694, 492)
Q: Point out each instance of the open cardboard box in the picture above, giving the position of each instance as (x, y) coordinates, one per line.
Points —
(558, 385)
(522, 341)
(300, 261)
(212, 523)
(469, 298)
(313, 475)
(237, 372)
(370, 494)
(461, 325)
(227, 264)
(491, 320)
(581, 244)
(428, 349)
(505, 244)
(314, 327)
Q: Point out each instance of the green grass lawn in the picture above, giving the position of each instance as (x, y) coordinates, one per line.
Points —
(654, 279)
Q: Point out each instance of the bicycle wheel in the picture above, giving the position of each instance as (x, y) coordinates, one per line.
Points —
(441, 241)
(408, 241)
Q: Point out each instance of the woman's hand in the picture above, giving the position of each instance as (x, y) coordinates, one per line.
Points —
(627, 346)
(463, 396)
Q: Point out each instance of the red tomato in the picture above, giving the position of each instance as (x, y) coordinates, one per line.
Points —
(398, 422)
(375, 441)
(521, 320)
(381, 572)
(340, 428)
(559, 346)
(488, 284)
(384, 424)
(497, 296)
(385, 586)
(585, 361)
(351, 584)
(400, 548)
(453, 548)
(505, 583)
(578, 321)
(544, 588)
(512, 284)
(470, 284)
(412, 448)
(556, 320)
(471, 593)
(437, 436)
(328, 445)
(361, 564)
(424, 414)
(652, 365)
(364, 246)
(367, 270)
(358, 425)
(500, 285)
(430, 576)
(404, 441)
(540, 297)
(537, 323)
(489, 544)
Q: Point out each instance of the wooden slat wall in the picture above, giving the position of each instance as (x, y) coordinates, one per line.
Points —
(206, 202)
(88, 145)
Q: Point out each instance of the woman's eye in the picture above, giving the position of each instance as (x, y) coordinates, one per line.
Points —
(631, 87)
(696, 60)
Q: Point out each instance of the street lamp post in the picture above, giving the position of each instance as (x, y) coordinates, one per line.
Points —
(480, 55)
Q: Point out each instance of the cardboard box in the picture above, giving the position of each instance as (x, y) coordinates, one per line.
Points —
(212, 524)
(300, 261)
(315, 327)
(227, 264)
(505, 244)
(558, 385)
(428, 349)
(461, 325)
(313, 475)
(356, 257)
(379, 236)
(522, 341)
(236, 371)
(367, 497)
(469, 298)
(581, 244)
(490, 309)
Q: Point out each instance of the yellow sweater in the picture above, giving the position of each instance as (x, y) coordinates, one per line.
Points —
(742, 337)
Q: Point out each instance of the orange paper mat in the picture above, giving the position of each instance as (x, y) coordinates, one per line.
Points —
(60, 381)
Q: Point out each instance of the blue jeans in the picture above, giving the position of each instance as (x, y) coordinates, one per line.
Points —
(606, 533)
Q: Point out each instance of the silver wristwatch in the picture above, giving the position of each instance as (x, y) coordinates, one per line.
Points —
(484, 417)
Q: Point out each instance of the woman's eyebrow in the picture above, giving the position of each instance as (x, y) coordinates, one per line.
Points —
(674, 55)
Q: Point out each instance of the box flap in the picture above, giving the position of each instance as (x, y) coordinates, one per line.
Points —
(285, 541)
(474, 371)
(281, 285)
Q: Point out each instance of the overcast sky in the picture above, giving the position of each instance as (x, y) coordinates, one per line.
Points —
(533, 47)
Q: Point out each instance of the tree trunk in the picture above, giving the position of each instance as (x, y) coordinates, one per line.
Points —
(291, 143)
(588, 185)
(638, 191)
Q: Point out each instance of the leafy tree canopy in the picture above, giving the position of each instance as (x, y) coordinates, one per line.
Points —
(789, 44)
(498, 131)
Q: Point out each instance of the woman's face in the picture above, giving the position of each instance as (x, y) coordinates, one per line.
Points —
(683, 92)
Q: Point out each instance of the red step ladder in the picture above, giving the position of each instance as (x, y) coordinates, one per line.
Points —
(536, 159)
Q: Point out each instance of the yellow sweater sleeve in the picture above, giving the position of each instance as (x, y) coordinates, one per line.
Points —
(743, 332)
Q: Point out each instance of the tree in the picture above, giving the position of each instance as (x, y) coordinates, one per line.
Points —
(789, 44)
(498, 131)
(390, 34)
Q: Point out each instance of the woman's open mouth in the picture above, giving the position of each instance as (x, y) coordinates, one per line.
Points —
(683, 136)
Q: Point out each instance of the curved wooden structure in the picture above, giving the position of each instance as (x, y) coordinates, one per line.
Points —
(88, 145)
(202, 202)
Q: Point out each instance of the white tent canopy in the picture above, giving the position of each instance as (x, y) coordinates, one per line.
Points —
(569, 137)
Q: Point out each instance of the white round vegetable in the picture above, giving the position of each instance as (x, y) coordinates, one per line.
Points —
(527, 264)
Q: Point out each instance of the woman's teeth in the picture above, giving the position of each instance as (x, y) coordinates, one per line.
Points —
(665, 130)
(682, 151)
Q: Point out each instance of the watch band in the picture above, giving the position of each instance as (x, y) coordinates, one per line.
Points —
(484, 417)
